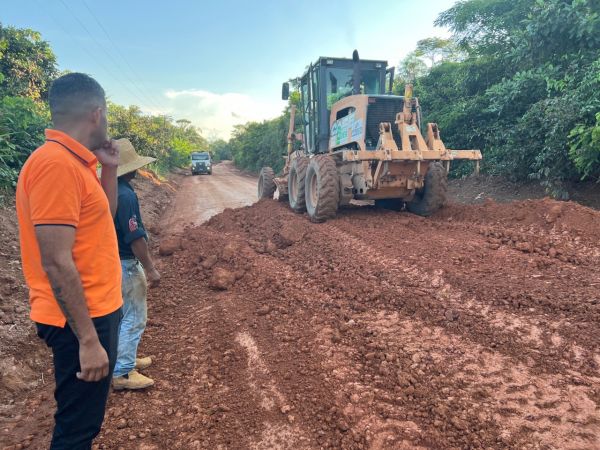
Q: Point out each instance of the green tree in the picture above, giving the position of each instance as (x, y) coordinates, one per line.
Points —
(27, 64)
(22, 124)
(221, 150)
(157, 136)
(255, 145)
(526, 92)
(436, 49)
(585, 148)
(411, 68)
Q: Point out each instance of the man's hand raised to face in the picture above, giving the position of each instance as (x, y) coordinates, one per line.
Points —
(108, 154)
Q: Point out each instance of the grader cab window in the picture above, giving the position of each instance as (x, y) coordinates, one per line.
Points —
(340, 82)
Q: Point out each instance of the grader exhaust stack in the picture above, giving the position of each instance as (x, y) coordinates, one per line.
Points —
(360, 143)
(355, 73)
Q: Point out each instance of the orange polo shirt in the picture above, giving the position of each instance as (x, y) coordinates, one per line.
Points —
(58, 185)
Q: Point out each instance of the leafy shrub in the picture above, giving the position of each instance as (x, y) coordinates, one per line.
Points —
(585, 148)
(22, 124)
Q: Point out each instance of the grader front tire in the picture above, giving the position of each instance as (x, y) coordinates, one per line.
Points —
(433, 195)
(266, 183)
(322, 188)
(296, 184)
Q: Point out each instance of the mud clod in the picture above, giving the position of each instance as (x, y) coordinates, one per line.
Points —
(209, 262)
(222, 279)
(169, 246)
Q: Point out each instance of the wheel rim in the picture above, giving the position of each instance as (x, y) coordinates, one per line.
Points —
(294, 186)
(260, 186)
(314, 194)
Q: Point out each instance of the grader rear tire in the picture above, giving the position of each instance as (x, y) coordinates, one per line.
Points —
(296, 189)
(266, 183)
(322, 188)
(433, 195)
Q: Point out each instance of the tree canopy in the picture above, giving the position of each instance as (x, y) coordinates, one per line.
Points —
(27, 68)
(27, 64)
(527, 92)
(159, 136)
(518, 79)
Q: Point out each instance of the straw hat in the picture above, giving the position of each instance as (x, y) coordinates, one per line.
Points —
(129, 160)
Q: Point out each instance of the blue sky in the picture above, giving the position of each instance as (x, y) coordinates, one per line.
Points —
(217, 63)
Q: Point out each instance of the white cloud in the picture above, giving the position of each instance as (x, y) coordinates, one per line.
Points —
(216, 114)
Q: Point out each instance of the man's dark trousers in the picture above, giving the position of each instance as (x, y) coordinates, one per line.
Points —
(79, 404)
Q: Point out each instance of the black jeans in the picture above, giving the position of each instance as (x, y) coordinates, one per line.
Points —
(79, 404)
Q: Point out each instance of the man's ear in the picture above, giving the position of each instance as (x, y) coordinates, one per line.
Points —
(96, 115)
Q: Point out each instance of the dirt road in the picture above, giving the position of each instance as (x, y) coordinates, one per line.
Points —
(202, 196)
(478, 328)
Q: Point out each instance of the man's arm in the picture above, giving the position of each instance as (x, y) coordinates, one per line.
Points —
(139, 247)
(108, 156)
(108, 179)
(56, 243)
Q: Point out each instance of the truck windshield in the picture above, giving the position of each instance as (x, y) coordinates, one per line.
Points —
(340, 82)
(200, 157)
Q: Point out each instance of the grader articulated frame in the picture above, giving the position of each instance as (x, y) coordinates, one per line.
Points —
(360, 154)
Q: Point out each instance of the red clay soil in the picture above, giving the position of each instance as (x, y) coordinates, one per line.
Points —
(478, 189)
(477, 328)
(26, 379)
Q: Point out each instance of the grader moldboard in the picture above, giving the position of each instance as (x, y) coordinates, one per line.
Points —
(349, 149)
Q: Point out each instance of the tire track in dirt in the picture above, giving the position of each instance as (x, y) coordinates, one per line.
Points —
(540, 332)
(567, 431)
(372, 331)
(394, 275)
(377, 432)
(554, 393)
(466, 259)
(551, 396)
(310, 293)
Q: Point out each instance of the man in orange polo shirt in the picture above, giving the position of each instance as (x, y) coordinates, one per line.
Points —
(70, 254)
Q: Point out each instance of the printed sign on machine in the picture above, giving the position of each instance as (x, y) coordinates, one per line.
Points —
(345, 130)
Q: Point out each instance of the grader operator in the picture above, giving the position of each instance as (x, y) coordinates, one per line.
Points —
(360, 142)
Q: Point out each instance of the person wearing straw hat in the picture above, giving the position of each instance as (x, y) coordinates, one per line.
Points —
(138, 272)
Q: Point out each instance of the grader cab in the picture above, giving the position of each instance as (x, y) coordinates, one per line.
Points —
(360, 142)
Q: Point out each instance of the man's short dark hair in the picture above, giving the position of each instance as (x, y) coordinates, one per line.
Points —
(73, 95)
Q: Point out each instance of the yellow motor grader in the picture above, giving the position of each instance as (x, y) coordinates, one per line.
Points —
(360, 142)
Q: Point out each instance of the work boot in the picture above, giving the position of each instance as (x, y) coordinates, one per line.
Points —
(133, 380)
(143, 363)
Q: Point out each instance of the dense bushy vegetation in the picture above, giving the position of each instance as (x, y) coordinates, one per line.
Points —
(526, 90)
(169, 142)
(519, 79)
(27, 68)
(267, 141)
(22, 123)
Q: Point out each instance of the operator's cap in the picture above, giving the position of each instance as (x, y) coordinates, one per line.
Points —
(129, 160)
